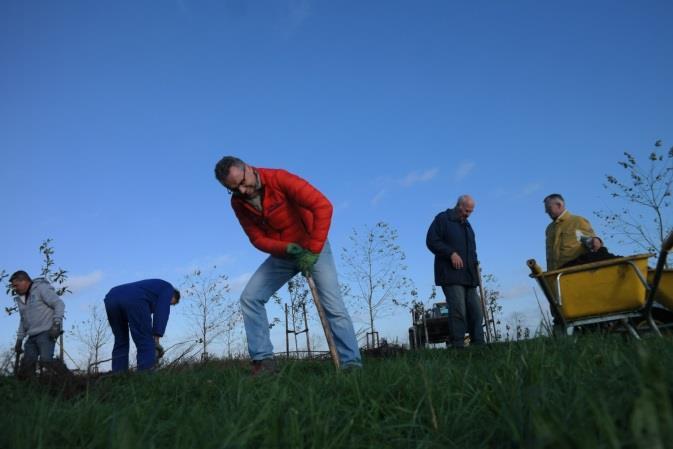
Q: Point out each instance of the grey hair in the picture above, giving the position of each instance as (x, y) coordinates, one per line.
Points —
(556, 197)
(462, 198)
(223, 167)
(20, 276)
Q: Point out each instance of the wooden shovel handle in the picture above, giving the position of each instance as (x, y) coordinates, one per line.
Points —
(323, 320)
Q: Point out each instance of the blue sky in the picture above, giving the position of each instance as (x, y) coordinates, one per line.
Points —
(113, 115)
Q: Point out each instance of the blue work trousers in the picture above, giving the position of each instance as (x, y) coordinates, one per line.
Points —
(134, 315)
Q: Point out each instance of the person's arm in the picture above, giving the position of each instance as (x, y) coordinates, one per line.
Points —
(303, 194)
(21, 331)
(434, 241)
(257, 236)
(584, 227)
(162, 309)
(474, 242)
(49, 296)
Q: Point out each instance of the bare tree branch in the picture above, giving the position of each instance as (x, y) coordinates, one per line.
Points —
(375, 265)
(643, 217)
(212, 313)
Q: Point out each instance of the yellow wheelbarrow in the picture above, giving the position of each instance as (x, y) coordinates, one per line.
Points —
(613, 291)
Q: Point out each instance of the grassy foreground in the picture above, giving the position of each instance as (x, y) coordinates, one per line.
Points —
(591, 392)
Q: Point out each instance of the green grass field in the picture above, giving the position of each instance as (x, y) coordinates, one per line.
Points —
(591, 392)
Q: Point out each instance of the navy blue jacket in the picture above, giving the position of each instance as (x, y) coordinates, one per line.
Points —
(155, 293)
(447, 235)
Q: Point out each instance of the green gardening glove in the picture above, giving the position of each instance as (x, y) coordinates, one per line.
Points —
(293, 250)
(305, 262)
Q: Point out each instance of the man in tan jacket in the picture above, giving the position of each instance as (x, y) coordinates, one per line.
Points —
(568, 236)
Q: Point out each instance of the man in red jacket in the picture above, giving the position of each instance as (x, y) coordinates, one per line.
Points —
(288, 218)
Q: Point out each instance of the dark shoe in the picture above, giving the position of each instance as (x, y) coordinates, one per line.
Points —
(56, 368)
(352, 367)
(264, 366)
(26, 370)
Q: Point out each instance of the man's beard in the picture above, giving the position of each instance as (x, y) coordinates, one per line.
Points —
(249, 196)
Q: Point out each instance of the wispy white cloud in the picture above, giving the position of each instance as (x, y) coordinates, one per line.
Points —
(78, 283)
(237, 284)
(499, 193)
(299, 10)
(296, 13)
(463, 170)
(417, 176)
(529, 189)
(385, 184)
(377, 198)
(182, 6)
(223, 259)
(517, 193)
(520, 290)
(206, 263)
(343, 205)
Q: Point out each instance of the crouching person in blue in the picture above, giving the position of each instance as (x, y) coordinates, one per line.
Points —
(143, 308)
(41, 311)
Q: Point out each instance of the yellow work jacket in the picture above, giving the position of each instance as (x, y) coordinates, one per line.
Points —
(563, 239)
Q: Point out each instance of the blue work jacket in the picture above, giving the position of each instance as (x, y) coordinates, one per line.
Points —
(155, 293)
(446, 235)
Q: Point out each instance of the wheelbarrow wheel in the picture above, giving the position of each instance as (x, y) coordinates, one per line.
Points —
(662, 318)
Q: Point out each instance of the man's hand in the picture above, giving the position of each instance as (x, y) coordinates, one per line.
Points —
(592, 244)
(294, 250)
(18, 347)
(596, 244)
(306, 260)
(55, 330)
(456, 261)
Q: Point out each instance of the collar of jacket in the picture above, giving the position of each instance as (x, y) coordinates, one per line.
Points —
(566, 214)
(452, 215)
(24, 298)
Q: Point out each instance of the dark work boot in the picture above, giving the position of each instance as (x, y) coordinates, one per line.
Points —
(264, 366)
(26, 370)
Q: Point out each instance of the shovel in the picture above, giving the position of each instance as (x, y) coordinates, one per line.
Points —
(323, 319)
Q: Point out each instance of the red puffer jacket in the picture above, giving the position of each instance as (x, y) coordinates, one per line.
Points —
(293, 211)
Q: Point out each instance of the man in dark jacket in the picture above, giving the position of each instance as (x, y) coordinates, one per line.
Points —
(41, 311)
(143, 308)
(451, 240)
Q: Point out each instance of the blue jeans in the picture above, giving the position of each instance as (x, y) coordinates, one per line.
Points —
(271, 276)
(40, 345)
(124, 315)
(465, 314)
